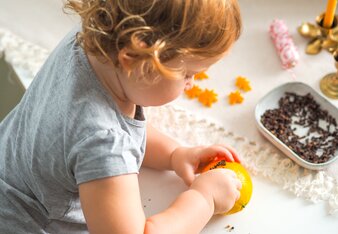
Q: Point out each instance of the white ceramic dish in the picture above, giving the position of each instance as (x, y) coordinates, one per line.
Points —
(270, 101)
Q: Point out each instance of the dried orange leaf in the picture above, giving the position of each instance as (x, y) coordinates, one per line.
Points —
(207, 97)
(235, 97)
(194, 92)
(243, 83)
(201, 76)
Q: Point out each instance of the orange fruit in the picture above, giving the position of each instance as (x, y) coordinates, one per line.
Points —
(243, 176)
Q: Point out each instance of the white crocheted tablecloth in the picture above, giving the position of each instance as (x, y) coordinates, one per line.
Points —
(191, 129)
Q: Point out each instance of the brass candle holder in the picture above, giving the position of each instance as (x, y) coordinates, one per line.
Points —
(320, 37)
(323, 38)
(329, 83)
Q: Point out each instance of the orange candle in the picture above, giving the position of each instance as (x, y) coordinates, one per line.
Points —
(329, 14)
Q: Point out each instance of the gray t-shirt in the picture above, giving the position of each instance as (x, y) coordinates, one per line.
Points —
(65, 131)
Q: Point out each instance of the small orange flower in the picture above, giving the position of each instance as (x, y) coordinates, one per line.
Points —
(235, 97)
(243, 83)
(201, 76)
(194, 92)
(207, 97)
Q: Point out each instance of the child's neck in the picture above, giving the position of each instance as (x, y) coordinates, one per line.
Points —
(109, 76)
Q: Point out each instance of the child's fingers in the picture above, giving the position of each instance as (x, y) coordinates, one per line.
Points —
(233, 152)
(238, 184)
(236, 156)
(224, 152)
(206, 156)
(188, 176)
(238, 195)
(210, 153)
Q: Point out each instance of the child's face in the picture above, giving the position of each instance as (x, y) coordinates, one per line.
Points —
(166, 90)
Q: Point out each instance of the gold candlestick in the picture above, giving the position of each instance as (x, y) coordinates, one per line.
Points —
(323, 38)
(329, 83)
(320, 37)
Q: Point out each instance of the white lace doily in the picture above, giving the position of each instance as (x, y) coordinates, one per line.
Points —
(186, 127)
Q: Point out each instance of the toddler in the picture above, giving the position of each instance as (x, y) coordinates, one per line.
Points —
(71, 150)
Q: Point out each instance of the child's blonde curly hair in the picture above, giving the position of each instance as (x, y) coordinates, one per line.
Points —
(167, 28)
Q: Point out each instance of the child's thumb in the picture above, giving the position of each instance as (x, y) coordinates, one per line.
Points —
(189, 176)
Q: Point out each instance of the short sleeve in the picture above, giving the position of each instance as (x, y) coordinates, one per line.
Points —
(103, 154)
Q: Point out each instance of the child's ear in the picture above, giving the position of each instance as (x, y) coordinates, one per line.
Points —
(125, 59)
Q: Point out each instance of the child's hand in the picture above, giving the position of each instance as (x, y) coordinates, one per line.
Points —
(220, 187)
(186, 162)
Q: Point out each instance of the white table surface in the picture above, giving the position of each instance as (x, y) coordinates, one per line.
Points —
(272, 209)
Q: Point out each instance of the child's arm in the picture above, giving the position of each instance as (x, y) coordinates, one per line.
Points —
(113, 204)
(164, 153)
(158, 150)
